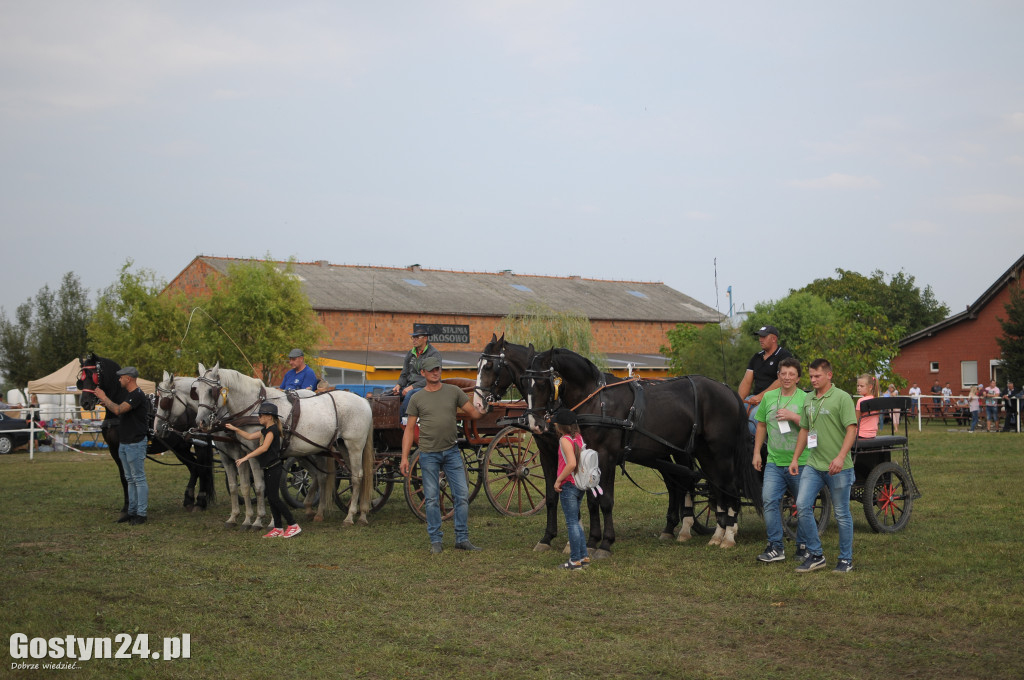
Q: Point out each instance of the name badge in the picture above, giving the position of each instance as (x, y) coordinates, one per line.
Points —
(812, 440)
(784, 426)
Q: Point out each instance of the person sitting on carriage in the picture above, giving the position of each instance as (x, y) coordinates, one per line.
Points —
(411, 381)
(762, 372)
(299, 376)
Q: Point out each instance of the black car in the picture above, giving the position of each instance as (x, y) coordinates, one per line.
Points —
(10, 440)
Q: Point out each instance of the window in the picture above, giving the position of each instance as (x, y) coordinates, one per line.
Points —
(521, 287)
(933, 367)
(415, 282)
(636, 293)
(995, 370)
(968, 373)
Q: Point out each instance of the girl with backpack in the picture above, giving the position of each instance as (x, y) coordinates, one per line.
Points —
(570, 442)
(268, 455)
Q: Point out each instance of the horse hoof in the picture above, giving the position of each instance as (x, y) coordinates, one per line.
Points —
(727, 544)
(715, 540)
(318, 518)
(683, 538)
(230, 525)
(542, 547)
(347, 522)
(363, 522)
(666, 536)
(567, 550)
(600, 554)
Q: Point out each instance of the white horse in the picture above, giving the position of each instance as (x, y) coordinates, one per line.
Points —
(333, 421)
(174, 400)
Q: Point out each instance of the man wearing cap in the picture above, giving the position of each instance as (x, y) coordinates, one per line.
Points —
(762, 370)
(434, 409)
(132, 431)
(411, 381)
(300, 376)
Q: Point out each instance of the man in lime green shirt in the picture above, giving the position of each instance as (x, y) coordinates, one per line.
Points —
(828, 429)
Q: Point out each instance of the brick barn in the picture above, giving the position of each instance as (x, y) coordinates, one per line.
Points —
(962, 349)
(369, 312)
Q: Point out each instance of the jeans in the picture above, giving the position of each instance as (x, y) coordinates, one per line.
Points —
(431, 464)
(405, 401)
(570, 497)
(811, 481)
(132, 458)
(776, 480)
(974, 419)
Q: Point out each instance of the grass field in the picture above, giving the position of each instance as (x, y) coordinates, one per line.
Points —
(943, 598)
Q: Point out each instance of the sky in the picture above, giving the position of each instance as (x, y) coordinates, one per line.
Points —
(705, 145)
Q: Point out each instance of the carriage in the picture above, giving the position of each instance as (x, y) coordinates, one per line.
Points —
(499, 458)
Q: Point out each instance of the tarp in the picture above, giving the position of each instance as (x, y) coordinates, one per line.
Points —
(62, 381)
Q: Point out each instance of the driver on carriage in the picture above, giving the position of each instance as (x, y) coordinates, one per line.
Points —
(410, 381)
(300, 376)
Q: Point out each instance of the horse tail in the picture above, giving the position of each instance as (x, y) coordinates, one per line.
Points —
(742, 455)
(366, 489)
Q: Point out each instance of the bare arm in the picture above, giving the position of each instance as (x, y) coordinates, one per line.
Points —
(836, 466)
(801, 444)
(258, 450)
(470, 410)
(759, 436)
(251, 436)
(407, 440)
(568, 450)
(746, 384)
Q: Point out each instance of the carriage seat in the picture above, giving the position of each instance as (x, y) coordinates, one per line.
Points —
(465, 384)
(876, 443)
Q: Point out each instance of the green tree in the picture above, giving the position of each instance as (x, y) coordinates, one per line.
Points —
(1012, 341)
(257, 310)
(907, 307)
(135, 325)
(545, 328)
(60, 326)
(716, 351)
(15, 350)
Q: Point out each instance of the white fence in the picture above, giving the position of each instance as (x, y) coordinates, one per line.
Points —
(938, 407)
(62, 425)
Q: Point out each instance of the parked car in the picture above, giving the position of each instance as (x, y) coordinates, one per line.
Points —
(10, 439)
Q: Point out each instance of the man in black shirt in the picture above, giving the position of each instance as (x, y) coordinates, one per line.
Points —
(762, 370)
(132, 431)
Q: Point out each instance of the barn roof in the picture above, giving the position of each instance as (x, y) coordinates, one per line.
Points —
(332, 287)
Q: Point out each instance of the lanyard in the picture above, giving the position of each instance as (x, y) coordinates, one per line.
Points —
(817, 409)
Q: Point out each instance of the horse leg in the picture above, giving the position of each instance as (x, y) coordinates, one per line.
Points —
(731, 525)
(720, 522)
(328, 490)
(549, 464)
(231, 473)
(355, 471)
(260, 489)
(245, 488)
(207, 491)
(672, 515)
(605, 503)
(113, 447)
(685, 530)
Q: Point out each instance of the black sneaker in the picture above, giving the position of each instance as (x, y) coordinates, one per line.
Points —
(772, 554)
(138, 519)
(571, 566)
(843, 566)
(466, 545)
(125, 517)
(812, 563)
(801, 552)
(436, 548)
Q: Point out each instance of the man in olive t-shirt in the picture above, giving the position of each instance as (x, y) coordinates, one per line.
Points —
(434, 410)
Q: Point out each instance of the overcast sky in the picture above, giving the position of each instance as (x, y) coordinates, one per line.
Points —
(637, 141)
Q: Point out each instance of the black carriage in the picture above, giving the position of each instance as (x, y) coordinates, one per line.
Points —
(883, 482)
(499, 458)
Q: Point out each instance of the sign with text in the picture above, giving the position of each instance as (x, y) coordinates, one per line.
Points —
(445, 333)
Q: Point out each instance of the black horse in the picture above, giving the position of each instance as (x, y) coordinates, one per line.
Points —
(102, 372)
(655, 423)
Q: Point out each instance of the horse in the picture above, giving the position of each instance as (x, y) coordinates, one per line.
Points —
(650, 422)
(313, 426)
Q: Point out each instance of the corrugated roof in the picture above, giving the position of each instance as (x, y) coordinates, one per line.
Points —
(468, 359)
(333, 287)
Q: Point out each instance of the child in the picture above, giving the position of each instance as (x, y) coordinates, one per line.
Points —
(867, 423)
(570, 442)
(268, 455)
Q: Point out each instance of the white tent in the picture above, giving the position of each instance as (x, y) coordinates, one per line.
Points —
(62, 381)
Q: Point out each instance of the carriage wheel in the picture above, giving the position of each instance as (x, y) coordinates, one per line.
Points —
(513, 478)
(891, 498)
(473, 461)
(822, 512)
(296, 483)
(382, 486)
(414, 491)
(704, 521)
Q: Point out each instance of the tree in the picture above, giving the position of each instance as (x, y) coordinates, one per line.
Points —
(545, 328)
(907, 308)
(135, 325)
(259, 310)
(1012, 341)
(15, 351)
(716, 351)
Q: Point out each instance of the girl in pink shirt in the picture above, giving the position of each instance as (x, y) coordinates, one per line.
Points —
(570, 442)
(867, 426)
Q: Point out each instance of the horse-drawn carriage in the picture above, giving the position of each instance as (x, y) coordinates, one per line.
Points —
(499, 458)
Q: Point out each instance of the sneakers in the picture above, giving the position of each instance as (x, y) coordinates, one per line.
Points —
(125, 517)
(772, 554)
(585, 561)
(843, 566)
(466, 545)
(273, 533)
(801, 552)
(292, 530)
(812, 563)
(436, 548)
(571, 566)
(137, 519)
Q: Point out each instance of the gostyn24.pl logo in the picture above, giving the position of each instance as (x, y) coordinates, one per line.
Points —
(71, 649)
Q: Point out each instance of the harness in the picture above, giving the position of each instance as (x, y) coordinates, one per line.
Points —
(500, 364)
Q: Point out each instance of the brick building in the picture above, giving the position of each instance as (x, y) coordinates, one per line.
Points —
(962, 349)
(369, 311)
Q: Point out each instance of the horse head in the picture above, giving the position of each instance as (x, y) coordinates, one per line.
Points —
(170, 406)
(208, 394)
(501, 363)
(96, 372)
(556, 378)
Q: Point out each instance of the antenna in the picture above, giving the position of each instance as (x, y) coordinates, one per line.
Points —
(721, 333)
(366, 354)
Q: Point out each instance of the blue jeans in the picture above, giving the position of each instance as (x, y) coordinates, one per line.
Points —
(405, 401)
(431, 464)
(974, 419)
(570, 497)
(811, 481)
(132, 458)
(776, 480)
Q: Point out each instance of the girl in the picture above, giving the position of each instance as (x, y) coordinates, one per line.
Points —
(569, 443)
(893, 392)
(867, 426)
(268, 455)
(975, 405)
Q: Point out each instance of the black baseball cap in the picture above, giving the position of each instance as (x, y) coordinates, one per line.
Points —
(767, 330)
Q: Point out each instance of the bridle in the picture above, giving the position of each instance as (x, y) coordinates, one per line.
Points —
(222, 401)
(494, 394)
(165, 402)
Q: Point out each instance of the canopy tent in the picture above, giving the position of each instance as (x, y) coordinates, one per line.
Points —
(62, 381)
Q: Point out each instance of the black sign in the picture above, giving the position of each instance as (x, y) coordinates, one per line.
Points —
(442, 333)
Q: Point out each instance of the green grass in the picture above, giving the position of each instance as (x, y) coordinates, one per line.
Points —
(943, 598)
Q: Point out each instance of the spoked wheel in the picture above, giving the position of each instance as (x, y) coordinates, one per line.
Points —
(296, 483)
(513, 478)
(414, 491)
(383, 484)
(888, 498)
(822, 512)
(473, 462)
(704, 521)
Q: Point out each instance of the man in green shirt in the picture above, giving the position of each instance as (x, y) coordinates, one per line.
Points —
(778, 422)
(434, 409)
(828, 430)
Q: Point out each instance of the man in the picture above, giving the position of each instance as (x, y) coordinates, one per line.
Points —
(411, 381)
(300, 376)
(1012, 404)
(915, 395)
(936, 402)
(762, 370)
(132, 431)
(828, 429)
(778, 420)
(992, 407)
(434, 409)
